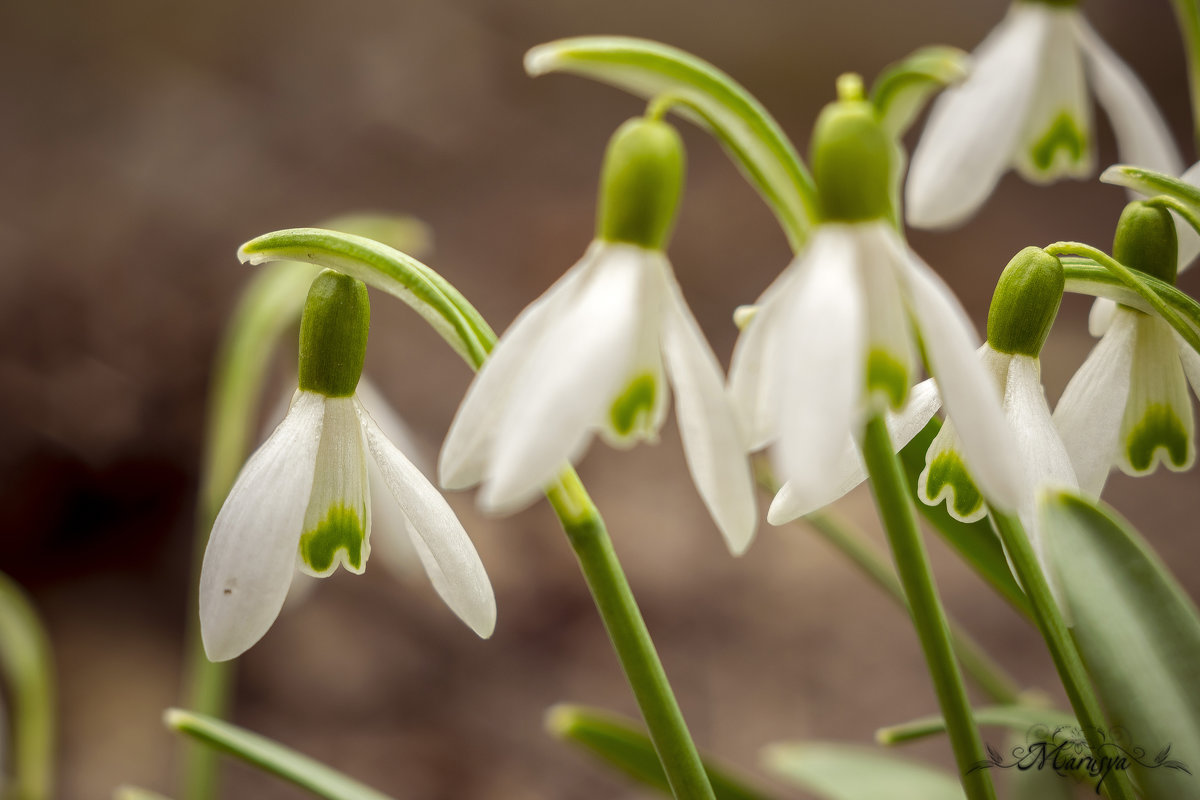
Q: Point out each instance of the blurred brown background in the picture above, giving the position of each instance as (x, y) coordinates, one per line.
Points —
(141, 142)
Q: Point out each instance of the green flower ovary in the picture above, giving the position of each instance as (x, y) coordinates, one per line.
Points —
(1158, 428)
(1063, 134)
(948, 470)
(633, 406)
(341, 529)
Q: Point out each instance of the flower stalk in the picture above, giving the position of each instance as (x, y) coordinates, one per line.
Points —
(929, 618)
(1188, 14)
(27, 673)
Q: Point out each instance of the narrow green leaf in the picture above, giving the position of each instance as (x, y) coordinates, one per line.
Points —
(1017, 718)
(623, 744)
(903, 88)
(705, 95)
(386, 269)
(1150, 183)
(136, 793)
(27, 680)
(847, 772)
(976, 542)
(1139, 637)
(269, 756)
(1131, 287)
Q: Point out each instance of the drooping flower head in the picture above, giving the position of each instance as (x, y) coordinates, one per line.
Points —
(1025, 105)
(841, 333)
(1128, 405)
(303, 501)
(595, 353)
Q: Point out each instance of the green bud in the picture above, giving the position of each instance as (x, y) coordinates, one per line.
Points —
(333, 334)
(1146, 240)
(851, 158)
(1025, 303)
(640, 184)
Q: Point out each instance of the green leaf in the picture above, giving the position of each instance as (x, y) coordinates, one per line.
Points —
(903, 88)
(1139, 636)
(389, 270)
(708, 97)
(847, 772)
(269, 756)
(136, 793)
(623, 744)
(975, 542)
(1151, 183)
(1018, 718)
(27, 681)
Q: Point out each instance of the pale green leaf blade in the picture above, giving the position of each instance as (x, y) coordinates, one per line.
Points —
(1150, 183)
(270, 756)
(1016, 718)
(706, 96)
(27, 723)
(623, 744)
(1085, 276)
(903, 88)
(386, 269)
(848, 772)
(976, 543)
(1139, 636)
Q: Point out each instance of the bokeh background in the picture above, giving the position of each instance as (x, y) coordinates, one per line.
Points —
(141, 142)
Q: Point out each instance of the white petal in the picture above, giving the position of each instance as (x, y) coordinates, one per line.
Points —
(969, 392)
(1059, 137)
(821, 360)
(1043, 455)
(1088, 415)
(441, 543)
(569, 380)
(1101, 316)
(712, 441)
(753, 385)
(469, 443)
(337, 523)
(1157, 424)
(946, 478)
(1189, 239)
(891, 356)
(1143, 137)
(251, 553)
(1191, 363)
(974, 128)
(848, 471)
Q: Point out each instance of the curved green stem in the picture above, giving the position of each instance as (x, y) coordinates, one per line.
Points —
(27, 672)
(1188, 14)
(630, 639)
(929, 618)
(1062, 648)
(992, 678)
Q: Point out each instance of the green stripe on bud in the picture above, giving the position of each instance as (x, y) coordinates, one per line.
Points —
(333, 334)
(1025, 303)
(640, 184)
(851, 158)
(1146, 240)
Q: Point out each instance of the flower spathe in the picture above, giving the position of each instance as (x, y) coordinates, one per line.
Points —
(595, 353)
(1128, 405)
(1025, 105)
(835, 339)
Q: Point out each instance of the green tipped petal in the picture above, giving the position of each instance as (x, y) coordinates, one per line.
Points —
(333, 334)
(946, 476)
(887, 375)
(634, 409)
(1025, 303)
(641, 184)
(1158, 428)
(341, 535)
(1064, 141)
(1157, 424)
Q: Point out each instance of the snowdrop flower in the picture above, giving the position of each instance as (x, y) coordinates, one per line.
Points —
(302, 499)
(836, 336)
(594, 354)
(1128, 404)
(1025, 105)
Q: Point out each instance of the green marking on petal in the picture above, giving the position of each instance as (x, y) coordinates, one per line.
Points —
(341, 529)
(1064, 134)
(888, 375)
(948, 470)
(634, 405)
(1160, 427)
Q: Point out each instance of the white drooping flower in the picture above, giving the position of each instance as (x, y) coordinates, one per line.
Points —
(596, 353)
(1128, 405)
(302, 501)
(1025, 105)
(839, 336)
